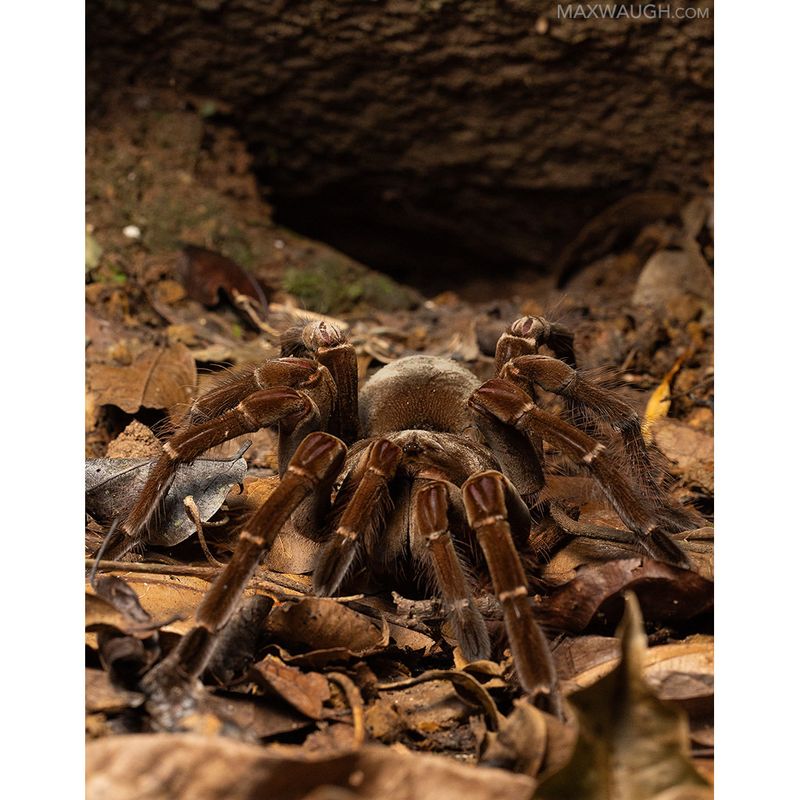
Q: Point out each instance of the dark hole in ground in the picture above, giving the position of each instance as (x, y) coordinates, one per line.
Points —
(430, 261)
(432, 245)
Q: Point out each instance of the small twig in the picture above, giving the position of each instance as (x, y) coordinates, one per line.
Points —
(155, 569)
(245, 304)
(99, 555)
(355, 701)
(699, 385)
(193, 512)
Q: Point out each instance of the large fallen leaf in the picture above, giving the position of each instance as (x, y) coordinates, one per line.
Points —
(666, 593)
(191, 767)
(630, 746)
(260, 717)
(159, 377)
(113, 484)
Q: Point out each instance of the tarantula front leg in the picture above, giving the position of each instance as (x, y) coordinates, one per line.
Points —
(310, 473)
(510, 404)
(363, 514)
(430, 519)
(297, 373)
(489, 500)
(329, 346)
(282, 406)
(525, 335)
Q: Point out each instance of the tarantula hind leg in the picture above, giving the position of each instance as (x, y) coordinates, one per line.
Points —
(311, 471)
(586, 397)
(430, 520)
(513, 406)
(486, 496)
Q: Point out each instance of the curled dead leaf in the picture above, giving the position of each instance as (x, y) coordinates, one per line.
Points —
(679, 672)
(319, 623)
(666, 594)
(690, 450)
(305, 691)
(529, 741)
(206, 273)
(159, 377)
(113, 484)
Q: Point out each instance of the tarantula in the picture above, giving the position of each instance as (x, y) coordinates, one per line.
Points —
(424, 468)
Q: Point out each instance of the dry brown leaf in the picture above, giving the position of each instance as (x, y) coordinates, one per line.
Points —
(163, 597)
(630, 745)
(691, 451)
(192, 767)
(252, 714)
(681, 672)
(319, 623)
(160, 378)
(205, 273)
(530, 742)
(666, 593)
(424, 709)
(305, 691)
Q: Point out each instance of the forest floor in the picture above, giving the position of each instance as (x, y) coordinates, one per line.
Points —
(368, 695)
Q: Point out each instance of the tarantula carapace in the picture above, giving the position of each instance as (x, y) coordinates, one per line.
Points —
(425, 471)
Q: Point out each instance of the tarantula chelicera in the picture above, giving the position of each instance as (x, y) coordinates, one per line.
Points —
(425, 469)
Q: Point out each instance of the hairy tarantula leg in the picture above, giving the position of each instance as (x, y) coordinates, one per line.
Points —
(555, 376)
(259, 410)
(487, 513)
(525, 335)
(430, 517)
(521, 457)
(510, 404)
(312, 470)
(339, 356)
(235, 387)
(363, 513)
(328, 345)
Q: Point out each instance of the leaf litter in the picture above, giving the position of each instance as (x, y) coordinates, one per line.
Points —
(363, 696)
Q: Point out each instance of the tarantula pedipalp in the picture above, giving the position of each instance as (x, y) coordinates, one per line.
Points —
(426, 467)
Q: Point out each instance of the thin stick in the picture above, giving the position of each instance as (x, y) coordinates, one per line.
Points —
(99, 556)
(354, 699)
(193, 512)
